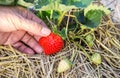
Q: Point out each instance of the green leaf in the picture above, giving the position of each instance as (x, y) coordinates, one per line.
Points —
(56, 6)
(93, 18)
(96, 7)
(55, 30)
(52, 15)
(63, 5)
(24, 3)
(72, 27)
(80, 16)
(63, 33)
(29, 1)
(55, 15)
(7, 2)
(43, 14)
(40, 3)
(77, 3)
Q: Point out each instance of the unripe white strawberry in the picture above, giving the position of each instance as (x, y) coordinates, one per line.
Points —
(96, 58)
(64, 65)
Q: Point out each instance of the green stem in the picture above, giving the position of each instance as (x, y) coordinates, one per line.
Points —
(51, 14)
(86, 54)
(67, 26)
(80, 37)
(91, 31)
(61, 18)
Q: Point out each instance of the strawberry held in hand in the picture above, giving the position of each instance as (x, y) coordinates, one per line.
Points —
(51, 44)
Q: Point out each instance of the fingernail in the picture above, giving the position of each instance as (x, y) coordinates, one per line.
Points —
(45, 31)
(38, 49)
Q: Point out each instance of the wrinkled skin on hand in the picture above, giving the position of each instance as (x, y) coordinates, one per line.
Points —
(21, 29)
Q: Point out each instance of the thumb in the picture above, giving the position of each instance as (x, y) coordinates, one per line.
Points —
(34, 27)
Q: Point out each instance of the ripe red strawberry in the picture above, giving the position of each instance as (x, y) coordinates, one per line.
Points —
(51, 44)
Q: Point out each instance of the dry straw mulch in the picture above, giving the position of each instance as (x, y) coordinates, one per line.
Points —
(14, 64)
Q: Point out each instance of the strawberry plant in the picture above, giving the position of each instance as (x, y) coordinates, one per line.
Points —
(85, 42)
(73, 20)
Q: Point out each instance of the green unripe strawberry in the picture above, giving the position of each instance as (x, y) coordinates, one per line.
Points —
(64, 65)
(89, 38)
(96, 58)
(90, 43)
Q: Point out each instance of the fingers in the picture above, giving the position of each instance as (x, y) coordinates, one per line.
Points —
(33, 27)
(32, 23)
(31, 42)
(13, 37)
(4, 37)
(23, 42)
(23, 48)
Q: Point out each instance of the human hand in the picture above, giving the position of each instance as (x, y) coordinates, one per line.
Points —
(22, 29)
